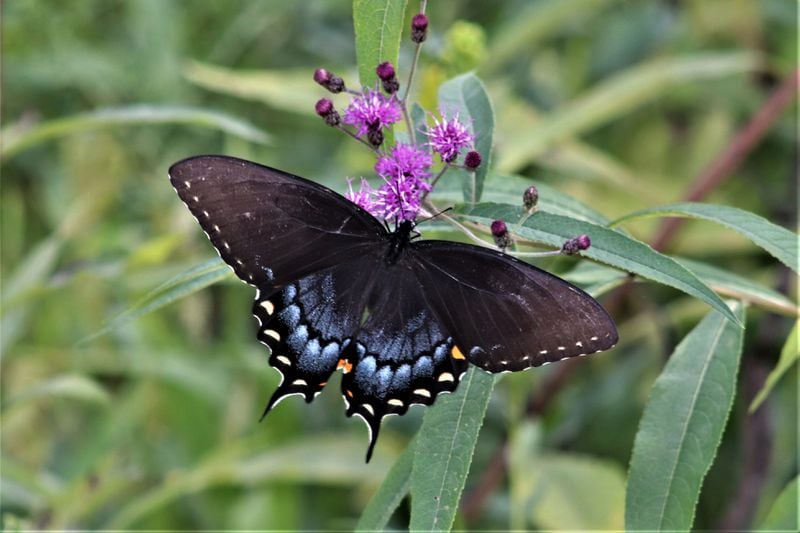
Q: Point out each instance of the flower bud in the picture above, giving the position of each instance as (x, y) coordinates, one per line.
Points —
(325, 109)
(530, 198)
(573, 246)
(375, 137)
(330, 81)
(386, 73)
(500, 233)
(419, 27)
(472, 160)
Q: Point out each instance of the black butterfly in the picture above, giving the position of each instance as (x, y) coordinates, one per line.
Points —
(400, 317)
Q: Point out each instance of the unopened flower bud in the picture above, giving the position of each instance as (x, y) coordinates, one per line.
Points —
(573, 246)
(330, 81)
(325, 109)
(386, 73)
(500, 233)
(472, 160)
(375, 137)
(419, 27)
(530, 198)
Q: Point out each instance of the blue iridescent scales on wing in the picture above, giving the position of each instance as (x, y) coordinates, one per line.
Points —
(402, 319)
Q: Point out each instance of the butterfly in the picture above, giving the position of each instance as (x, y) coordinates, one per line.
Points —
(401, 317)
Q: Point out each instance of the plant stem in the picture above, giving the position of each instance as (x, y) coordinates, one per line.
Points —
(413, 69)
(359, 139)
(434, 180)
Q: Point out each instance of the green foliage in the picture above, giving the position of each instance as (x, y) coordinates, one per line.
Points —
(682, 426)
(466, 96)
(378, 27)
(131, 379)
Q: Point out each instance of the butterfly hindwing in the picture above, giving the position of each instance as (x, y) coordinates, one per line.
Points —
(401, 355)
(307, 324)
(269, 226)
(505, 314)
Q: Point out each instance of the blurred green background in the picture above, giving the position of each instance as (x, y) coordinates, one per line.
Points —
(154, 423)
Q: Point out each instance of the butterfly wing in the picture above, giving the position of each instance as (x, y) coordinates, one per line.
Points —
(507, 315)
(269, 226)
(372, 321)
(401, 354)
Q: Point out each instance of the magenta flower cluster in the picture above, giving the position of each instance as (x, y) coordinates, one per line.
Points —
(448, 137)
(405, 168)
(372, 111)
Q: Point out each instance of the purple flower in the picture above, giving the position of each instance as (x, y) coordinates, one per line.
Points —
(406, 160)
(364, 197)
(372, 111)
(448, 137)
(400, 198)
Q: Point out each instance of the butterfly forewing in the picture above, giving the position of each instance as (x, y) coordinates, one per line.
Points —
(506, 314)
(269, 226)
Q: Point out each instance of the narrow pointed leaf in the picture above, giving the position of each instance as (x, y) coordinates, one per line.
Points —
(740, 288)
(783, 515)
(287, 90)
(508, 189)
(445, 444)
(779, 242)
(378, 25)
(185, 283)
(609, 246)
(467, 96)
(69, 386)
(617, 96)
(789, 356)
(129, 116)
(390, 494)
(682, 426)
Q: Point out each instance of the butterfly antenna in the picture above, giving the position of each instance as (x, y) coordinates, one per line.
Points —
(445, 210)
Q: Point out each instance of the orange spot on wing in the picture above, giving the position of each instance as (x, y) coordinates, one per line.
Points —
(349, 393)
(345, 365)
(456, 353)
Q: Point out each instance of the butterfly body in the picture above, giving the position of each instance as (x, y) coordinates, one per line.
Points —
(401, 318)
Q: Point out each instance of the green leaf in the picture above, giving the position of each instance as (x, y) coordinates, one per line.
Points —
(71, 386)
(287, 90)
(740, 288)
(328, 459)
(783, 515)
(28, 279)
(790, 353)
(467, 96)
(682, 426)
(378, 26)
(13, 143)
(390, 494)
(184, 284)
(509, 190)
(445, 444)
(564, 491)
(609, 246)
(534, 22)
(616, 97)
(779, 242)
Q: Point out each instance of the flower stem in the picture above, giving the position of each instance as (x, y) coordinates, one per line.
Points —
(413, 69)
(411, 133)
(434, 180)
(359, 139)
